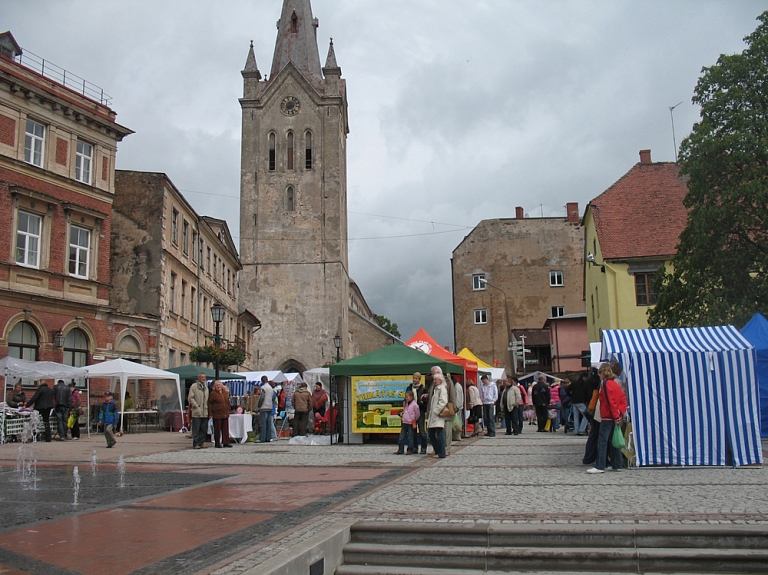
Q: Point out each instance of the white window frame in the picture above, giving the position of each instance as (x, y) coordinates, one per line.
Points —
(83, 161)
(556, 279)
(172, 294)
(478, 285)
(26, 235)
(184, 236)
(557, 311)
(175, 226)
(34, 143)
(481, 316)
(82, 253)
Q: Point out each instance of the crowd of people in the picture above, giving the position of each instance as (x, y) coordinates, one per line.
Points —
(268, 400)
(593, 405)
(433, 411)
(64, 401)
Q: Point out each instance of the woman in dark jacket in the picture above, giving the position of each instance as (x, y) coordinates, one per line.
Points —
(218, 410)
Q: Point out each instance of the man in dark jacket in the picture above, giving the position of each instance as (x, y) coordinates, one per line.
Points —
(590, 449)
(580, 397)
(43, 402)
(61, 395)
(541, 399)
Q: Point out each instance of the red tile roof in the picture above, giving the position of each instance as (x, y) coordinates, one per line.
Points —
(642, 214)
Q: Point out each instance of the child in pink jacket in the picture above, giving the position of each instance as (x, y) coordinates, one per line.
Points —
(411, 415)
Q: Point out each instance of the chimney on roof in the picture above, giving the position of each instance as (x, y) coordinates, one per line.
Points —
(572, 209)
(519, 213)
(645, 156)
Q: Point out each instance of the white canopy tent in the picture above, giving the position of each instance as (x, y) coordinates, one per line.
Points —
(255, 376)
(14, 369)
(497, 373)
(123, 370)
(318, 374)
(294, 378)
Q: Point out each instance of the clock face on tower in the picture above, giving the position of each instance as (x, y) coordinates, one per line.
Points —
(290, 106)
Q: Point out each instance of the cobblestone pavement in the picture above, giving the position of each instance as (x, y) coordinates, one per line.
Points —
(266, 498)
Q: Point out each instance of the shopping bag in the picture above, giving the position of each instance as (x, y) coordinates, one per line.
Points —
(547, 425)
(72, 420)
(617, 440)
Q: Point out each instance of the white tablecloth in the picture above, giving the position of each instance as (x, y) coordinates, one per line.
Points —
(240, 425)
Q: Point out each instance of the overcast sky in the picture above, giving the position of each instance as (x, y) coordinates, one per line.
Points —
(459, 110)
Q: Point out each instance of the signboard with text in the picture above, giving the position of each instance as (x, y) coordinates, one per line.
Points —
(377, 403)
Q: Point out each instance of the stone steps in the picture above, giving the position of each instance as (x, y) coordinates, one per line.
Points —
(378, 548)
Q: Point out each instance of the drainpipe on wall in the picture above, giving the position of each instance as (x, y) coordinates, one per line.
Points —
(199, 264)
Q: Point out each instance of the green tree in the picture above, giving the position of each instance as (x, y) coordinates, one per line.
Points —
(388, 325)
(719, 271)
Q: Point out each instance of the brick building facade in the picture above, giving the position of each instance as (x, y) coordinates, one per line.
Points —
(57, 158)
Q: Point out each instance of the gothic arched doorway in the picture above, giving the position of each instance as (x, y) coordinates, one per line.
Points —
(292, 365)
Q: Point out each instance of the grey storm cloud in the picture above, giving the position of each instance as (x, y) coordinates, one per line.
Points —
(459, 111)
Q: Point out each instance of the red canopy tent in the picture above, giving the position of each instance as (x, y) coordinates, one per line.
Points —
(426, 343)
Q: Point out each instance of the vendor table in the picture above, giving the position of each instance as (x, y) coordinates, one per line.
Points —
(134, 419)
(13, 423)
(239, 426)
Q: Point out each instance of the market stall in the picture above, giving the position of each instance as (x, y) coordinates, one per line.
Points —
(122, 370)
(422, 341)
(375, 384)
(496, 373)
(13, 369)
(693, 395)
(756, 332)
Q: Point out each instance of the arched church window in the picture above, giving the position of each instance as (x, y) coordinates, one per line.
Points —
(294, 23)
(76, 348)
(271, 151)
(290, 202)
(289, 165)
(23, 342)
(308, 150)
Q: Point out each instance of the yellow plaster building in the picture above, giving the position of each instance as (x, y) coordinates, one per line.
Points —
(631, 230)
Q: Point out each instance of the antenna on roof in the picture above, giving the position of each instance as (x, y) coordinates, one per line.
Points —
(672, 117)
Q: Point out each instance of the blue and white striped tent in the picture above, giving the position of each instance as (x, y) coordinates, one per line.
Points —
(693, 394)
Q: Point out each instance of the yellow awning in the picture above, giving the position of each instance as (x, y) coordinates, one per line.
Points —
(466, 354)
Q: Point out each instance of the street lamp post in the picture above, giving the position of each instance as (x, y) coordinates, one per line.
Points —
(217, 312)
(512, 363)
(335, 389)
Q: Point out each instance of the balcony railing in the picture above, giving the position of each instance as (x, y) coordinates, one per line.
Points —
(63, 77)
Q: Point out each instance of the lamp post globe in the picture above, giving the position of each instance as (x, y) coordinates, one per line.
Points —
(337, 343)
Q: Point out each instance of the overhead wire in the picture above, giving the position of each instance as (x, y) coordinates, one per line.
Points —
(459, 227)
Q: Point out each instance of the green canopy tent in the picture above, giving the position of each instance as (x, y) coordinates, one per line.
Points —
(396, 359)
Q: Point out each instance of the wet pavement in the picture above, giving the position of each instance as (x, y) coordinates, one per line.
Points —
(225, 511)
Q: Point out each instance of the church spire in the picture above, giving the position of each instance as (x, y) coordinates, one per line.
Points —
(251, 69)
(297, 41)
(330, 61)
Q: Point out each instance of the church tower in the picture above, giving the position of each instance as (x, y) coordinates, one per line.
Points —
(293, 198)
